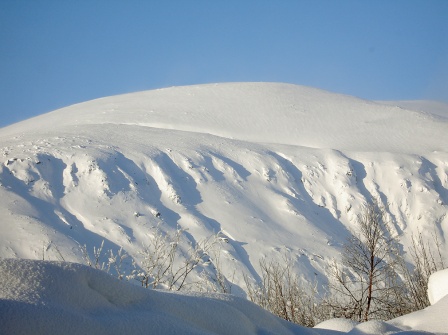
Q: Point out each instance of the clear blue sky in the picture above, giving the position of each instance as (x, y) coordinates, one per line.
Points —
(57, 53)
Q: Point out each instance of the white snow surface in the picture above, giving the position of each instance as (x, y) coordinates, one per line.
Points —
(41, 297)
(431, 319)
(338, 324)
(262, 113)
(280, 170)
(38, 297)
(438, 286)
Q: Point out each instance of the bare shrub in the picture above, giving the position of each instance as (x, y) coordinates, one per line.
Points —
(426, 257)
(106, 261)
(215, 280)
(281, 292)
(97, 255)
(165, 265)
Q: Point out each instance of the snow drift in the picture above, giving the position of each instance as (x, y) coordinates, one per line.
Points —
(64, 298)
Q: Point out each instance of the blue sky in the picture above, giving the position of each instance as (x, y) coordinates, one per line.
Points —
(57, 53)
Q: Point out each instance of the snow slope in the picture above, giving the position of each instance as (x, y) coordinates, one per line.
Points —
(436, 108)
(260, 112)
(39, 297)
(281, 170)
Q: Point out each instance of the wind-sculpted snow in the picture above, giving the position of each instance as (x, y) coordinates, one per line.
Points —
(65, 298)
(280, 170)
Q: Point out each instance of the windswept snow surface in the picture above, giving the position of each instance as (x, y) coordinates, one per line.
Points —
(38, 297)
(258, 112)
(435, 108)
(280, 170)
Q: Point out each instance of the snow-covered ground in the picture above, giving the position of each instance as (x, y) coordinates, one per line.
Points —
(38, 297)
(278, 169)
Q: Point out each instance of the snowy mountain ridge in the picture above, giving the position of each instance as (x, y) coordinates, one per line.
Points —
(279, 169)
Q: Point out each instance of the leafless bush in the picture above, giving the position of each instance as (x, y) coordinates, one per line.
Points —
(215, 280)
(426, 259)
(106, 261)
(116, 261)
(281, 292)
(164, 263)
(97, 255)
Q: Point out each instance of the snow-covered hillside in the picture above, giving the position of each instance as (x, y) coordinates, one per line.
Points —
(278, 169)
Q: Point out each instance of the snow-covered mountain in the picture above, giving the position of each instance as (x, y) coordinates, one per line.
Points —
(278, 169)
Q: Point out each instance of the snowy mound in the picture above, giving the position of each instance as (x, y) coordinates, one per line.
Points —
(339, 324)
(260, 112)
(431, 319)
(438, 286)
(64, 298)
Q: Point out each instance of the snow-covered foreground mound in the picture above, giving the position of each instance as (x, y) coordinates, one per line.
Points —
(66, 298)
(433, 318)
(39, 297)
(278, 169)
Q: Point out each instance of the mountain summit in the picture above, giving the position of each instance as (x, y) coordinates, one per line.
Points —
(260, 112)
